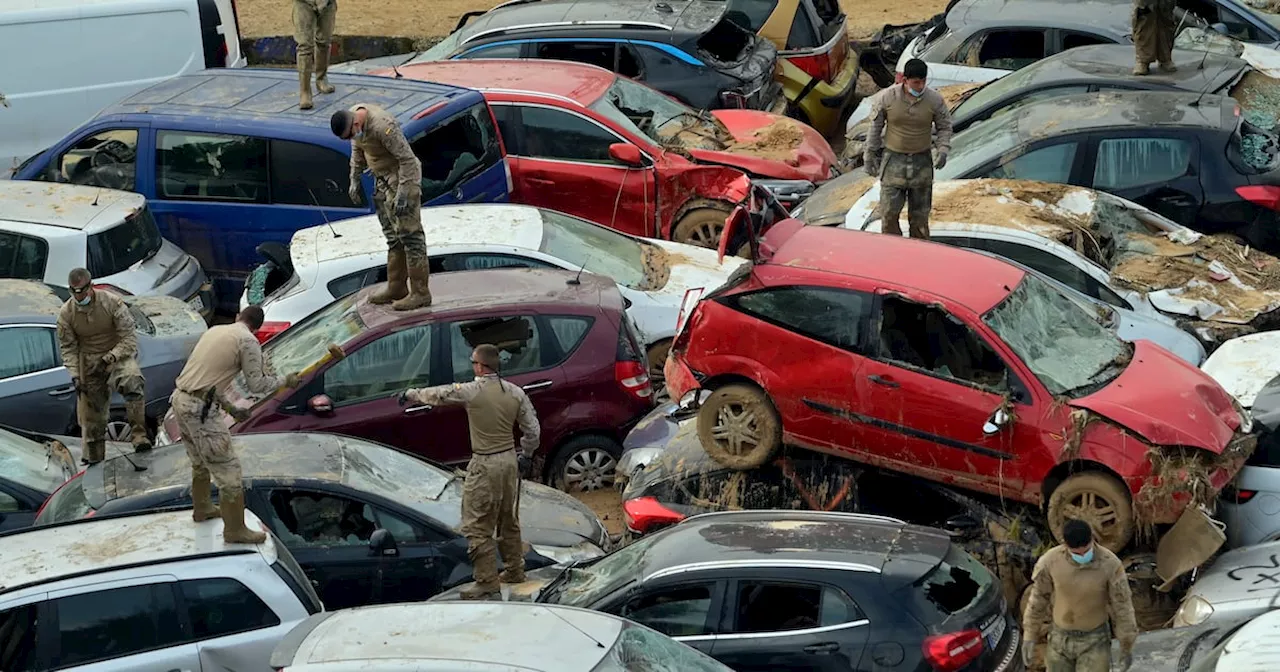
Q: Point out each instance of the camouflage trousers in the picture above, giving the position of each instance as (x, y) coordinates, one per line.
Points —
(1076, 651)
(313, 25)
(401, 232)
(906, 179)
(489, 501)
(93, 405)
(1153, 27)
(208, 443)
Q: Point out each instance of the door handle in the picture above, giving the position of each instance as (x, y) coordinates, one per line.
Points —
(538, 385)
(882, 380)
(65, 390)
(823, 648)
(414, 409)
(539, 180)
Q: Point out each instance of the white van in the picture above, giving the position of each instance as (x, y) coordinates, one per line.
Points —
(64, 60)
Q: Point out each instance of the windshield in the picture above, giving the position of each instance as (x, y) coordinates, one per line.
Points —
(1061, 342)
(584, 585)
(26, 463)
(602, 251)
(996, 89)
(393, 474)
(121, 246)
(645, 111)
(443, 49)
(979, 144)
(640, 649)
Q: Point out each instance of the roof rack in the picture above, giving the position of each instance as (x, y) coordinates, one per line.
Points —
(830, 515)
(646, 25)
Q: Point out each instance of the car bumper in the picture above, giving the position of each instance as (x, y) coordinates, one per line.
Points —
(680, 379)
(824, 103)
(202, 301)
(1170, 508)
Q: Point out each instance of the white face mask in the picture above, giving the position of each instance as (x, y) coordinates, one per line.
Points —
(85, 300)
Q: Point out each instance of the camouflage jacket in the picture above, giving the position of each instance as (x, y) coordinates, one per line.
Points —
(493, 411)
(383, 148)
(1085, 597)
(104, 326)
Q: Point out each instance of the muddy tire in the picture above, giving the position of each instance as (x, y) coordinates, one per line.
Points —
(701, 227)
(739, 427)
(657, 355)
(1098, 499)
(586, 463)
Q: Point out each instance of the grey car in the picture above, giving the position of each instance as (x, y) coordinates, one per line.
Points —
(35, 388)
(32, 467)
(1241, 583)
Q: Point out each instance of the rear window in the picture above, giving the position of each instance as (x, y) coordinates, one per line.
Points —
(953, 587)
(726, 42)
(456, 150)
(1253, 149)
(68, 503)
(25, 462)
(751, 14)
(135, 239)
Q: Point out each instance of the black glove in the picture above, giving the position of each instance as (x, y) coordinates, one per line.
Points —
(524, 464)
(402, 203)
(403, 398)
(942, 161)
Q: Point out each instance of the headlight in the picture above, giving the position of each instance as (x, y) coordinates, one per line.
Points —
(788, 191)
(1193, 611)
(1246, 418)
(580, 551)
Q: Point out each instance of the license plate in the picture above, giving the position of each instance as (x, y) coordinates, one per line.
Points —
(196, 303)
(994, 632)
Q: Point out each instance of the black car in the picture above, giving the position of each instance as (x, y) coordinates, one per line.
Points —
(802, 590)
(32, 466)
(369, 524)
(685, 48)
(1196, 159)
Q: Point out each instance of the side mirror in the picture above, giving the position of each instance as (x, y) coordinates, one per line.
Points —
(320, 404)
(996, 422)
(626, 154)
(963, 526)
(382, 543)
(1220, 28)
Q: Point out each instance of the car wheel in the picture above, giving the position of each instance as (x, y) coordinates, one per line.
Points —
(739, 427)
(1098, 499)
(657, 358)
(586, 463)
(701, 227)
(119, 430)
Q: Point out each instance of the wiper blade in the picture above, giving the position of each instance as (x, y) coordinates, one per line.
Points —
(545, 594)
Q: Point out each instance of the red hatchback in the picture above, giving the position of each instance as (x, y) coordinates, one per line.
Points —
(956, 367)
(565, 339)
(582, 140)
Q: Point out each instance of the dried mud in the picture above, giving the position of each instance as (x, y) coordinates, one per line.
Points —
(607, 504)
(777, 141)
(953, 93)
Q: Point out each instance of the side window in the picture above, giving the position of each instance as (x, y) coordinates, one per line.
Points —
(675, 612)
(803, 35)
(9, 504)
(211, 167)
(764, 606)
(508, 118)
(553, 134)
(1002, 49)
(926, 338)
(115, 623)
(479, 261)
(392, 363)
(1239, 28)
(307, 174)
(569, 332)
(1046, 164)
(108, 159)
(18, 638)
(499, 51)
(220, 607)
(456, 150)
(517, 339)
(351, 282)
(27, 350)
(832, 316)
(22, 257)
(1051, 265)
(602, 54)
(1131, 162)
(629, 62)
(320, 519)
(1072, 39)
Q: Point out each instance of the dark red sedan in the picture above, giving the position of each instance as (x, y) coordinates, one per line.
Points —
(565, 339)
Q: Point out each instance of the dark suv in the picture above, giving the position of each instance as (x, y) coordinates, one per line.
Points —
(564, 337)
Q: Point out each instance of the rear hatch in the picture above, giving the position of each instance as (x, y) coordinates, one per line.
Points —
(132, 257)
(745, 57)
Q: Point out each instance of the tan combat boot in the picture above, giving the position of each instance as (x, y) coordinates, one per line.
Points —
(234, 531)
(419, 293)
(1168, 66)
(136, 412)
(512, 575)
(304, 83)
(322, 71)
(397, 279)
(202, 507)
(94, 452)
(1142, 69)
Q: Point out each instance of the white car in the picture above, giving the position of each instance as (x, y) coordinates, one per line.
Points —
(146, 591)
(1240, 583)
(324, 263)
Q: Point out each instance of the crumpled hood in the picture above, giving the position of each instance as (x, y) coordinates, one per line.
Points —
(773, 146)
(1167, 402)
(550, 517)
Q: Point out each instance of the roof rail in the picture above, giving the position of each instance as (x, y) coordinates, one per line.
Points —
(647, 25)
(765, 563)
(831, 515)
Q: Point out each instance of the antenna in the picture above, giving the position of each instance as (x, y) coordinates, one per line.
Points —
(97, 196)
(577, 279)
(397, 71)
(580, 630)
(322, 214)
(1225, 62)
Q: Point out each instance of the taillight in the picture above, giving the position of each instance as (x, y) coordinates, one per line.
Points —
(113, 289)
(55, 492)
(952, 651)
(633, 378)
(733, 100)
(1265, 196)
(691, 297)
(1231, 494)
(642, 514)
(270, 330)
(818, 66)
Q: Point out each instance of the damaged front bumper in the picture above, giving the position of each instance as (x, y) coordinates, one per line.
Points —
(1183, 481)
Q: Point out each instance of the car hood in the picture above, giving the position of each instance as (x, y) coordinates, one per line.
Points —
(548, 517)
(1240, 575)
(1166, 401)
(520, 592)
(769, 145)
(690, 267)
(1176, 648)
(1135, 327)
(1244, 366)
(146, 275)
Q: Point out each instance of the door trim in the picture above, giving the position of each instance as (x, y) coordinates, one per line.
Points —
(908, 431)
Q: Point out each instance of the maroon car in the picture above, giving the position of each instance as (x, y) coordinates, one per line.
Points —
(565, 339)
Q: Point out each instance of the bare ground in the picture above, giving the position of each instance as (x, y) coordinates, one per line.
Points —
(607, 504)
(436, 18)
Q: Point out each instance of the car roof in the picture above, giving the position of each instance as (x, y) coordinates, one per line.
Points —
(1114, 62)
(1252, 647)
(67, 206)
(931, 267)
(27, 300)
(270, 95)
(523, 635)
(1108, 16)
(576, 82)
(658, 18)
(1082, 112)
(40, 555)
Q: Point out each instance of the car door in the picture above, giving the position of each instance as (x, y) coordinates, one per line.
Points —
(38, 394)
(687, 611)
(774, 624)
(229, 622)
(560, 159)
(423, 558)
(124, 626)
(1157, 168)
(990, 54)
(105, 155)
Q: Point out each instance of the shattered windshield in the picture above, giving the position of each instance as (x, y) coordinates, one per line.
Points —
(664, 120)
(600, 250)
(1062, 343)
(996, 89)
(583, 584)
(26, 463)
(640, 649)
(442, 50)
(979, 144)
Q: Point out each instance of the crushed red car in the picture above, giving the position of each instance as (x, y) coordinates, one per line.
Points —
(952, 366)
(583, 140)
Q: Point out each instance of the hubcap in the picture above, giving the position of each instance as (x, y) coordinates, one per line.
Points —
(736, 428)
(706, 235)
(590, 469)
(1096, 510)
(118, 430)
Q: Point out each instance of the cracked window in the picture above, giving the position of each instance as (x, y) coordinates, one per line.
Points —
(928, 338)
(456, 150)
(640, 649)
(1130, 162)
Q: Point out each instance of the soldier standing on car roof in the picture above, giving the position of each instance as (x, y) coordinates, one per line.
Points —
(1085, 582)
(99, 347)
(376, 138)
(313, 30)
(491, 493)
(1153, 27)
(904, 119)
(221, 353)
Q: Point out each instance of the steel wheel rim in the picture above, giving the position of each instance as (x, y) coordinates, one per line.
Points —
(590, 469)
(736, 428)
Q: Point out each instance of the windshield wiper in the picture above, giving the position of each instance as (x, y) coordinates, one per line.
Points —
(556, 583)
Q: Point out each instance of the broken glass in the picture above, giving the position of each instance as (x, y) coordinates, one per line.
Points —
(598, 249)
(663, 119)
(1061, 342)
(640, 649)
(955, 585)
(587, 582)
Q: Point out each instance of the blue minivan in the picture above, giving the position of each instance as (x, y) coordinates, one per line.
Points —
(227, 161)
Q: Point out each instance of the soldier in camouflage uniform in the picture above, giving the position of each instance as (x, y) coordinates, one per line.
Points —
(490, 494)
(1088, 588)
(378, 143)
(222, 353)
(1153, 27)
(100, 350)
(904, 118)
(313, 30)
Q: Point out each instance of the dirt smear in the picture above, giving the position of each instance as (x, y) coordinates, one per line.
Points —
(953, 93)
(607, 504)
(777, 142)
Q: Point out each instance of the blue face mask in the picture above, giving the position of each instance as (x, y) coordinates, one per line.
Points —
(1083, 559)
(84, 301)
(914, 93)
(359, 135)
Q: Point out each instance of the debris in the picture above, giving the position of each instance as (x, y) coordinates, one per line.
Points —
(778, 142)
